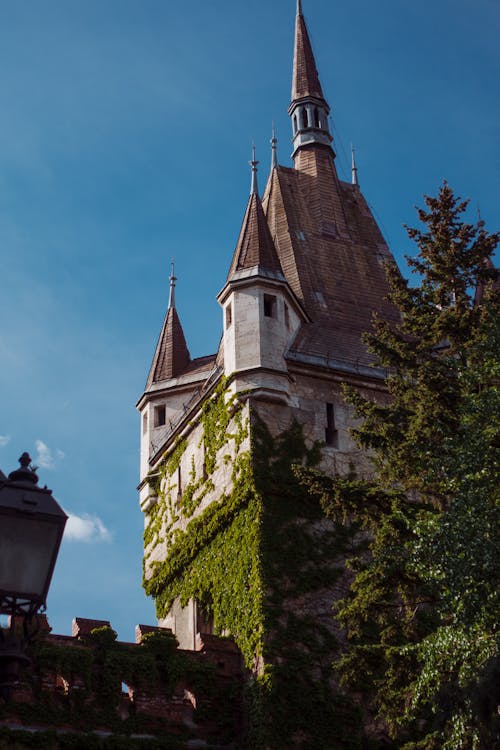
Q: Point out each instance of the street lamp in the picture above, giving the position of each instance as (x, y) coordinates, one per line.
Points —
(31, 528)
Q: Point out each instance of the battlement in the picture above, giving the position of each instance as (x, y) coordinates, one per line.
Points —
(91, 682)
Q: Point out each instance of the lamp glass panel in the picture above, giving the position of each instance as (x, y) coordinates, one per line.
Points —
(26, 551)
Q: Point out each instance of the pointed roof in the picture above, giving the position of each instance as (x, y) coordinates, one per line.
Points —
(305, 80)
(333, 256)
(171, 355)
(255, 248)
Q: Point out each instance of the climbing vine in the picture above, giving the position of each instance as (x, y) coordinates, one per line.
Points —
(252, 558)
(90, 673)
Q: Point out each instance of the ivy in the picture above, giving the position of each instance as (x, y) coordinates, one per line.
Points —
(259, 546)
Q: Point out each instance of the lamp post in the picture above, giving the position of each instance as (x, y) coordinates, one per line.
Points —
(31, 528)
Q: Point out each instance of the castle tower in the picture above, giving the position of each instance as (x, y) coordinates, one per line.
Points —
(233, 545)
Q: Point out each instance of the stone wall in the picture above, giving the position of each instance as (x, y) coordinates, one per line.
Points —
(91, 683)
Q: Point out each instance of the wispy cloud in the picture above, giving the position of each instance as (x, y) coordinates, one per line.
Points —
(4, 440)
(45, 457)
(86, 528)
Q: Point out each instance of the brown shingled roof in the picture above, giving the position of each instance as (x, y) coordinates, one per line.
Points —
(171, 356)
(255, 248)
(332, 254)
(305, 80)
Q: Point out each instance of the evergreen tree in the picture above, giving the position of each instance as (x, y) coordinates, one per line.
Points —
(421, 610)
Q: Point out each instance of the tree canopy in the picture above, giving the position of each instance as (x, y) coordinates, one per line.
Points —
(421, 612)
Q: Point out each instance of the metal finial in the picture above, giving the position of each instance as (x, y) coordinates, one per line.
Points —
(299, 7)
(253, 186)
(354, 169)
(173, 279)
(274, 150)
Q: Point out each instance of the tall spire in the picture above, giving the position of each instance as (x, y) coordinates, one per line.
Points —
(173, 279)
(274, 150)
(354, 169)
(254, 188)
(309, 109)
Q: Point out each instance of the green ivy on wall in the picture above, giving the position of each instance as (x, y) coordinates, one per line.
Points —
(251, 559)
(94, 670)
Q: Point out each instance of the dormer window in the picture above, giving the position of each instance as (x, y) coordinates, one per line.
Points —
(269, 305)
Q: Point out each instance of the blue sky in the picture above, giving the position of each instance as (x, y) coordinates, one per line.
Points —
(125, 133)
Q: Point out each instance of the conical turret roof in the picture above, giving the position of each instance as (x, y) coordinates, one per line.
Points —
(171, 355)
(255, 248)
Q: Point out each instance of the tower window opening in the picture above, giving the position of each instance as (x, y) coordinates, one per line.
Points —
(229, 315)
(179, 481)
(331, 432)
(287, 317)
(295, 123)
(269, 305)
(144, 423)
(316, 118)
(160, 416)
(305, 119)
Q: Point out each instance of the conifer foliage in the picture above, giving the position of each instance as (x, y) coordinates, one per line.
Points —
(422, 607)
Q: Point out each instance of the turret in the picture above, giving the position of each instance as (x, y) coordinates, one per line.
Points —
(158, 406)
(261, 313)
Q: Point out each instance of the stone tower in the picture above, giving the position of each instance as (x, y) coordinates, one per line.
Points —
(233, 545)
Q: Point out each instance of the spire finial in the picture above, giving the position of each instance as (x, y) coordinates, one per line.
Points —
(253, 186)
(354, 169)
(299, 7)
(173, 279)
(274, 149)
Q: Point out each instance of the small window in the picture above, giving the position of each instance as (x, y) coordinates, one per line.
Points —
(179, 481)
(295, 123)
(160, 416)
(269, 305)
(229, 315)
(144, 423)
(287, 317)
(331, 433)
(316, 118)
(305, 121)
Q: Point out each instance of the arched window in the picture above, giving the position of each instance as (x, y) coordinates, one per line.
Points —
(316, 118)
(305, 121)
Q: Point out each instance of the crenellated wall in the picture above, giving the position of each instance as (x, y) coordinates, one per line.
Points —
(91, 683)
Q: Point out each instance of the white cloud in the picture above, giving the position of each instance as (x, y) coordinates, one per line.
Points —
(45, 457)
(4, 440)
(85, 528)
